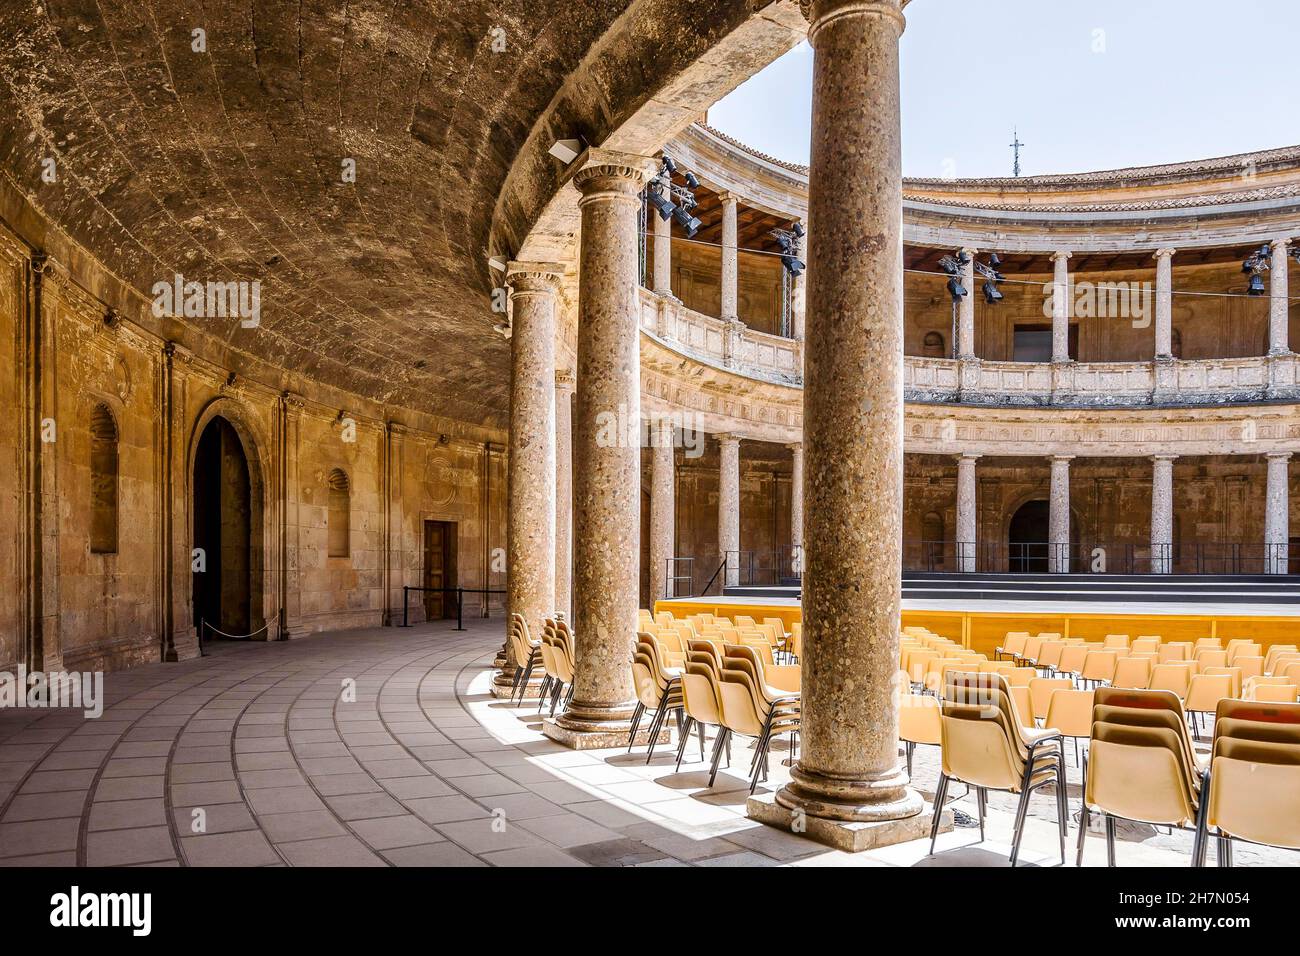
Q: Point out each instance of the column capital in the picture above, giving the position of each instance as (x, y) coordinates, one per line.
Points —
(726, 196)
(1061, 255)
(968, 456)
(970, 251)
(796, 447)
(1278, 455)
(1062, 459)
(1164, 457)
(727, 438)
(1163, 254)
(1280, 244)
(533, 278)
(818, 13)
(565, 380)
(605, 173)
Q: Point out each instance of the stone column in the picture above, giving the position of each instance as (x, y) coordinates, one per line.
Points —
(1058, 521)
(607, 461)
(966, 311)
(1277, 299)
(730, 259)
(663, 254)
(663, 492)
(966, 512)
(848, 787)
(796, 506)
(729, 506)
(564, 385)
(1164, 303)
(1277, 524)
(1061, 307)
(1162, 513)
(530, 521)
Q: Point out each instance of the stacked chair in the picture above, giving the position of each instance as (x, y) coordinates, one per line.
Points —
(527, 652)
(1140, 764)
(1252, 787)
(986, 746)
(557, 657)
(658, 691)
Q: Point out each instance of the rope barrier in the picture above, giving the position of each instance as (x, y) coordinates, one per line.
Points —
(237, 637)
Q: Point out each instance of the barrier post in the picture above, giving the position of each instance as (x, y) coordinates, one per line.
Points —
(460, 604)
(405, 590)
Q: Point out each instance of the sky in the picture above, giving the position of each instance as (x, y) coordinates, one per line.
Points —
(1089, 85)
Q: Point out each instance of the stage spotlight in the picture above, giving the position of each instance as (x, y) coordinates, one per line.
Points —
(688, 222)
(799, 233)
(1255, 266)
(953, 265)
(691, 182)
(663, 205)
(670, 167)
(992, 295)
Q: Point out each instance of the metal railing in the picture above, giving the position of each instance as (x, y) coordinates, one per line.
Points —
(460, 601)
(784, 566)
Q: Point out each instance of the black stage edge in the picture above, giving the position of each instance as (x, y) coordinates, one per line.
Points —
(443, 907)
(1137, 588)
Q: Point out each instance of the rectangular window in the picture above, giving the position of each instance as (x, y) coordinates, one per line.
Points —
(1033, 343)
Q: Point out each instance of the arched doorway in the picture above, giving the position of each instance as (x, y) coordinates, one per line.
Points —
(1027, 538)
(223, 531)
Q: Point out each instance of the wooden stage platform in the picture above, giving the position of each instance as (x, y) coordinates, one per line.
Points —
(982, 624)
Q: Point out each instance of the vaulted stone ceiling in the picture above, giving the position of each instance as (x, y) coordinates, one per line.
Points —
(228, 164)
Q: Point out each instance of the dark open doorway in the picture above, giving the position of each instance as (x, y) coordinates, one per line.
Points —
(223, 528)
(1027, 538)
(439, 569)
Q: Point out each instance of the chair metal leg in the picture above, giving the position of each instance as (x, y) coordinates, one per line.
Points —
(982, 797)
(542, 692)
(636, 722)
(940, 792)
(1110, 840)
(1062, 807)
(1225, 851)
(701, 729)
(1021, 812)
(1083, 832)
(655, 726)
(723, 736)
(910, 747)
(686, 738)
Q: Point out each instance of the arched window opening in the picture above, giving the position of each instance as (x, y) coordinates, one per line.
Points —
(339, 518)
(103, 481)
(932, 345)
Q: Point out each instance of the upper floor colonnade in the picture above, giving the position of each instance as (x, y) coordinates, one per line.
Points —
(1130, 266)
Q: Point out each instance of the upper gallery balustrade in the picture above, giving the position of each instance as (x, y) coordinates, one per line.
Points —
(1152, 286)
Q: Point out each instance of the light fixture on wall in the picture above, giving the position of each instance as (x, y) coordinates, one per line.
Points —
(566, 150)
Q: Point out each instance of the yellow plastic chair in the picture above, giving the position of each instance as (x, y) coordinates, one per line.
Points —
(1132, 672)
(919, 723)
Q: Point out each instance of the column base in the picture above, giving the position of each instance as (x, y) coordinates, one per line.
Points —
(502, 687)
(583, 730)
(847, 835)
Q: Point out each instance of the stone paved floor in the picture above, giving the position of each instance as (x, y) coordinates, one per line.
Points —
(425, 768)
